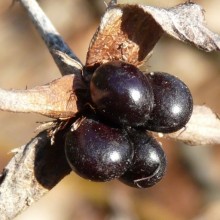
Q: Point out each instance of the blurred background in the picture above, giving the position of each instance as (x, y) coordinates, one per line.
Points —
(191, 186)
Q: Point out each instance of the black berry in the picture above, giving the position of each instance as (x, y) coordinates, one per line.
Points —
(98, 152)
(121, 93)
(148, 164)
(173, 103)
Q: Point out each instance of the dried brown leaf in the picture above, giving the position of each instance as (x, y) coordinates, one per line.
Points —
(186, 22)
(62, 98)
(203, 128)
(129, 32)
(126, 33)
(31, 174)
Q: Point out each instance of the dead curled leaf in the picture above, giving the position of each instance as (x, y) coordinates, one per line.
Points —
(126, 33)
(186, 22)
(129, 32)
(203, 128)
(60, 99)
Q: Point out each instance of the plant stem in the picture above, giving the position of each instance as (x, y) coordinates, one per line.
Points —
(59, 50)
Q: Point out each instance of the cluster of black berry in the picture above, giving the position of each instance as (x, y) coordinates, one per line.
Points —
(115, 143)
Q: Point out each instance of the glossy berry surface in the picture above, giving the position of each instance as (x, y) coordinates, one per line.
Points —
(98, 152)
(121, 93)
(148, 164)
(173, 103)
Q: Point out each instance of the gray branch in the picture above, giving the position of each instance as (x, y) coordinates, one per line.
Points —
(66, 60)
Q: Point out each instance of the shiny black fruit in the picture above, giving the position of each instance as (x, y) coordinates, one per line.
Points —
(121, 93)
(173, 103)
(148, 164)
(98, 152)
